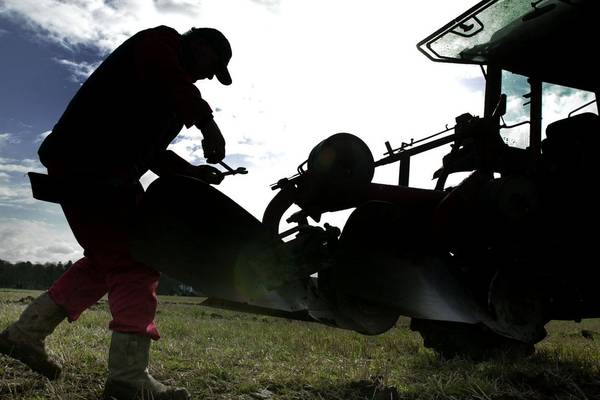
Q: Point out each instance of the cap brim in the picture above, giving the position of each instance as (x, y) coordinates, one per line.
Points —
(223, 76)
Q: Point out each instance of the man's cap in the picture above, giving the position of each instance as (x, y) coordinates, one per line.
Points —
(219, 43)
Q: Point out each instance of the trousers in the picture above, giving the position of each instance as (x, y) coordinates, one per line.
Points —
(101, 225)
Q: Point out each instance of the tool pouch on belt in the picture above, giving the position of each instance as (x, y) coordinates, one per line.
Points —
(63, 190)
(45, 187)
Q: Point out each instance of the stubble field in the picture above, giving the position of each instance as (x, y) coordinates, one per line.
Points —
(219, 354)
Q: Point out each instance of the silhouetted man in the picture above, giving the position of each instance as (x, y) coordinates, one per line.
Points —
(116, 128)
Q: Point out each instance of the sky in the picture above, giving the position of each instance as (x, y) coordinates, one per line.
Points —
(302, 71)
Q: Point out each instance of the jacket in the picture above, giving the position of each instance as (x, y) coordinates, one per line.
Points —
(128, 111)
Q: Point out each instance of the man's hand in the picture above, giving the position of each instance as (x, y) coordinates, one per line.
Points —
(213, 143)
(206, 173)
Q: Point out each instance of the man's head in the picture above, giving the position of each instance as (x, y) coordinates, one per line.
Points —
(206, 54)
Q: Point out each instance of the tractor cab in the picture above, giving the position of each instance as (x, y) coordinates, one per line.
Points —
(527, 50)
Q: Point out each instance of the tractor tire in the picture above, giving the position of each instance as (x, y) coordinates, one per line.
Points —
(475, 342)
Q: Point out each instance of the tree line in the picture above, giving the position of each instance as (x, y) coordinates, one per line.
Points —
(27, 275)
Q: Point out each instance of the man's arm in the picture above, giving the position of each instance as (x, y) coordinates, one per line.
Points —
(213, 143)
(169, 163)
(158, 63)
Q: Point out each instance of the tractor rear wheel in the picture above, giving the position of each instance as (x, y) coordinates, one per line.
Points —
(476, 342)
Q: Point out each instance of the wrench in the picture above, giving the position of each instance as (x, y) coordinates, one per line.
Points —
(231, 171)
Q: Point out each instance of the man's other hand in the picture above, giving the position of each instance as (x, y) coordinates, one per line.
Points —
(213, 143)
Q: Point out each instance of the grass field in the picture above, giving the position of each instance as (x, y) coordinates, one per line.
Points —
(225, 355)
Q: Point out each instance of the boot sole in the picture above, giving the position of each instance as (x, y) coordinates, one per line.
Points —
(30, 356)
(114, 390)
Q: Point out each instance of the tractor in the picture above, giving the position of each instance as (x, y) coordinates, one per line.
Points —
(479, 266)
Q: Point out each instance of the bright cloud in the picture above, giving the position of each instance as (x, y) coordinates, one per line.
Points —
(15, 195)
(560, 101)
(81, 71)
(96, 22)
(6, 139)
(20, 166)
(14, 187)
(302, 71)
(42, 136)
(181, 7)
(36, 241)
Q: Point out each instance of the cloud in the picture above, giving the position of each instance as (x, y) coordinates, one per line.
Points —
(20, 166)
(178, 7)
(293, 86)
(248, 141)
(59, 250)
(14, 186)
(244, 150)
(302, 71)
(97, 23)
(42, 136)
(271, 5)
(81, 71)
(7, 138)
(16, 197)
(68, 23)
(474, 83)
(559, 101)
(36, 241)
(4, 138)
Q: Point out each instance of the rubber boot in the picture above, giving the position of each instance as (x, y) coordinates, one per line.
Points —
(128, 376)
(24, 340)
